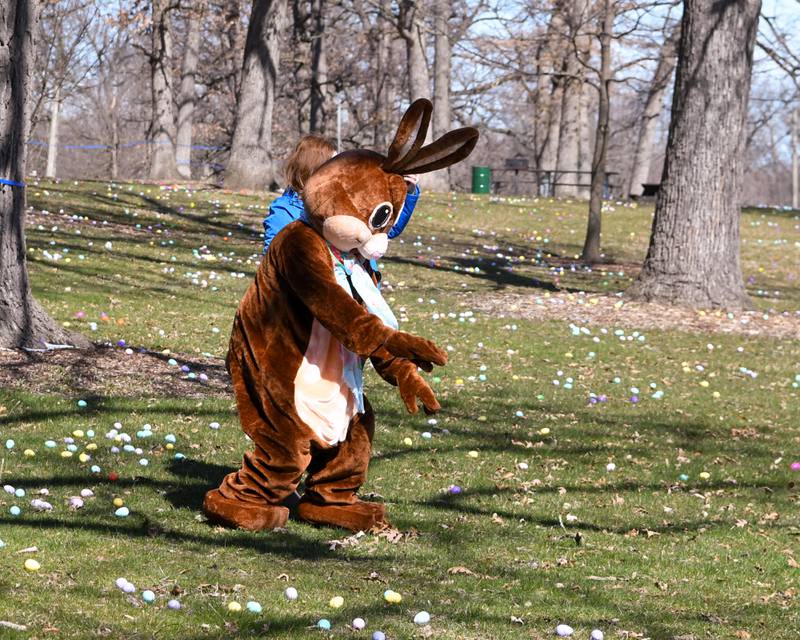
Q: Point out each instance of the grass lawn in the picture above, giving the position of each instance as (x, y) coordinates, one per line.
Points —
(622, 467)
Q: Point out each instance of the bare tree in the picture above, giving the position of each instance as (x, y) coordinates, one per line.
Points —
(321, 93)
(250, 164)
(23, 322)
(162, 129)
(188, 90)
(591, 245)
(693, 258)
(653, 107)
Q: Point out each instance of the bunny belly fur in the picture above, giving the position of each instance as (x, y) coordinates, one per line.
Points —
(294, 288)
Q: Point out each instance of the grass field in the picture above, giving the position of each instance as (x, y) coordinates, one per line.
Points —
(622, 468)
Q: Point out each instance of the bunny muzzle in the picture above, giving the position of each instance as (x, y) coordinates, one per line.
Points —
(347, 233)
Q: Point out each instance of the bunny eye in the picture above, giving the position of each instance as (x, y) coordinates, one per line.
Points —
(381, 215)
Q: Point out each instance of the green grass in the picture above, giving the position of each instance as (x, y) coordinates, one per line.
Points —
(636, 552)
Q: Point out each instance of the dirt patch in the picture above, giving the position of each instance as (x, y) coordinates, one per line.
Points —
(105, 371)
(613, 312)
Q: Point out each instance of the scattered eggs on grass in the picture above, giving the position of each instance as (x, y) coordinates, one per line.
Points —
(392, 597)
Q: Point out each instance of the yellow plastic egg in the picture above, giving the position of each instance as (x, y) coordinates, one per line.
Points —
(234, 606)
(336, 602)
(29, 452)
(66, 454)
(31, 565)
(118, 502)
(84, 457)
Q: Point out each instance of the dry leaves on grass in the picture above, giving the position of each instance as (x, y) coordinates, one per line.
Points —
(610, 311)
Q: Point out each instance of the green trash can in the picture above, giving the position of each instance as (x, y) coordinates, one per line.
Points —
(481, 179)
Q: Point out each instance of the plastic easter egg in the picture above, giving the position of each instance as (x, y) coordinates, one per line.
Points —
(422, 618)
(20, 493)
(705, 475)
(32, 565)
(148, 596)
(10, 444)
(119, 502)
(290, 593)
(174, 604)
(324, 624)
(122, 512)
(454, 490)
(82, 404)
(564, 630)
(408, 442)
(234, 606)
(597, 635)
(253, 606)
(15, 511)
(378, 635)
(611, 467)
(75, 502)
(336, 602)
(392, 597)
(129, 587)
(473, 454)
(120, 582)
(87, 493)
(50, 444)
(29, 453)
(358, 624)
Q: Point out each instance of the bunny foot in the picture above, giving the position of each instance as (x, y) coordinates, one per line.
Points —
(359, 516)
(243, 515)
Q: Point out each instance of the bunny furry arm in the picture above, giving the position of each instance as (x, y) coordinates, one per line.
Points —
(301, 258)
(403, 374)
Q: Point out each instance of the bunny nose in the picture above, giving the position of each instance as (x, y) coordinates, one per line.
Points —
(375, 247)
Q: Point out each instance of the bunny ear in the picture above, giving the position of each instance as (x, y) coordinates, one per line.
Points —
(452, 147)
(410, 134)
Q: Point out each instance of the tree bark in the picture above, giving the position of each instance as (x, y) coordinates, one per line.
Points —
(321, 103)
(250, 164)
(795, 159)
(183, 154)
(442, 115)
(591, 246)
(653, 106)
(52, 137)
(23, 322)
(413, 33)
(553, 65)
(585, 155)
(162, 129)
(693, 257)
(383, 80)
(569, 140)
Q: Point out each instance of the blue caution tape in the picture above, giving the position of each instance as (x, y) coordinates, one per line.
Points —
(12, 183)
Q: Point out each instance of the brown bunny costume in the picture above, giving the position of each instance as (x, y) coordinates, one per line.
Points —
(298, 327)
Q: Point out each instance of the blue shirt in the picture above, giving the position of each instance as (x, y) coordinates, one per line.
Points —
(289, 207)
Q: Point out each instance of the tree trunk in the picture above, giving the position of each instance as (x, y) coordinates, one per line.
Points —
(569, 141)
(52, 138)
(183, 154)
(442, 117)
(114, 148)
(383, 80)
(250, 164)
(321, 107)
(693, 258)
(653, 106)
(585, 156)
(555, 66)
(591, 245)
(162, 129)
(23, 323)
(300, 47)
(795, 160)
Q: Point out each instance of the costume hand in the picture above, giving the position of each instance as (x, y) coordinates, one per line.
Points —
(412, 180)
(421, 351)
(412, 386)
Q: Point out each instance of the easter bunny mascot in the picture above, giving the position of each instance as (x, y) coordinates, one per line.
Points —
(305, 326)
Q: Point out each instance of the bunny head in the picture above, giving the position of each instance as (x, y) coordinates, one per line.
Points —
(355, 197)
